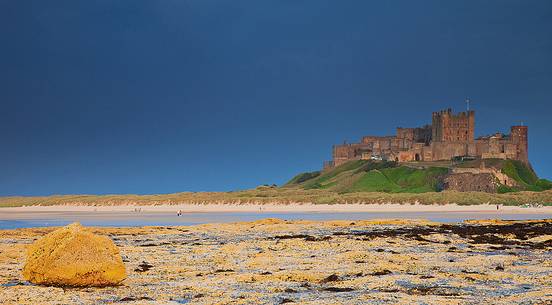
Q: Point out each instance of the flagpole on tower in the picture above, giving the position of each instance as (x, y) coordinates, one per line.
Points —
(468, 104)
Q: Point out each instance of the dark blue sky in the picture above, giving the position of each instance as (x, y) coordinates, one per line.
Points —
(167, 96)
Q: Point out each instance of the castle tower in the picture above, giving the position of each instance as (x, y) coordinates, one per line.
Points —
(449, 127)
(519, 138)
(471, 125)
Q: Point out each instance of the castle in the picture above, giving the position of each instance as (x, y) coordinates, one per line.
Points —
(449, 135)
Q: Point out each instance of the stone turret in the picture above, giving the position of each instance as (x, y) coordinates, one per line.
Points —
(519, 138)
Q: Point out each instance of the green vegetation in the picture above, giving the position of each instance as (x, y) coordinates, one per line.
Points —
(502, 189)
(370, 165)
(324, 180)
(544, 184)
(522, 173)
(361, 181)
(302, 177)
(519, 172)
(288, 195)
(400, 180)
(496, 163)
(373, 176)
(525, 177)
(389, 177)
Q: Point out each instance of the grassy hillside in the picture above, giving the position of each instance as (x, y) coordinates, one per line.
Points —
(353, 182)
(524, 176)
(400, 180)
(522, 173)
(330, 178)
(302, 177)
(390, 177)
(370, 176)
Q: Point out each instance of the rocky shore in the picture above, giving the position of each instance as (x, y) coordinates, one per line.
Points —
(274, 261)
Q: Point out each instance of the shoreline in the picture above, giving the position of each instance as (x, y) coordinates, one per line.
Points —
(282, 208)
(166, 215)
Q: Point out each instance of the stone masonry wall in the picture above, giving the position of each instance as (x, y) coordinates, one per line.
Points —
(450, 135)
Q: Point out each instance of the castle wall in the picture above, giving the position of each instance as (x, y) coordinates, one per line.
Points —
(449, 150)
(408, 136)
(405, 133)
(406, 156)
(343, 153)
(423, 134)
(513, 146)
(382, 145)
(450, 135)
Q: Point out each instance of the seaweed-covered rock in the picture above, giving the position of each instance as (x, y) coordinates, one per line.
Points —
(74, 256)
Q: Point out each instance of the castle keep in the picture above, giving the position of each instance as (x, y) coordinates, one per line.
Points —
(449, 135)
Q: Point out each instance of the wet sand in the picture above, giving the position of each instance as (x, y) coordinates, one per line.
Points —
(274, 261)
(40, 216)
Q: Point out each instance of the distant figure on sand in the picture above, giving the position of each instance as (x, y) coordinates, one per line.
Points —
(179, 213)
(497, 207)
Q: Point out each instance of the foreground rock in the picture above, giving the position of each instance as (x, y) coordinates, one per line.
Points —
(73, 256)
(275, 261)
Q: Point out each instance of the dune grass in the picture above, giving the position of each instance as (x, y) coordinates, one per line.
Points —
(353, 182)
(287, 196)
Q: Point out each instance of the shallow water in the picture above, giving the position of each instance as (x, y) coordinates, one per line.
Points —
(10, 220)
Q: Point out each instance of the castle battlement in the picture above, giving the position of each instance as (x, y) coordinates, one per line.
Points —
(448, 136)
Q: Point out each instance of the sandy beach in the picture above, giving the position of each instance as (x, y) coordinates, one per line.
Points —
(192, 214)
(305, 207)
(273, 261)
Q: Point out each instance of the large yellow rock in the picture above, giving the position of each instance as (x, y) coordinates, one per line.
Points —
(74, 256)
